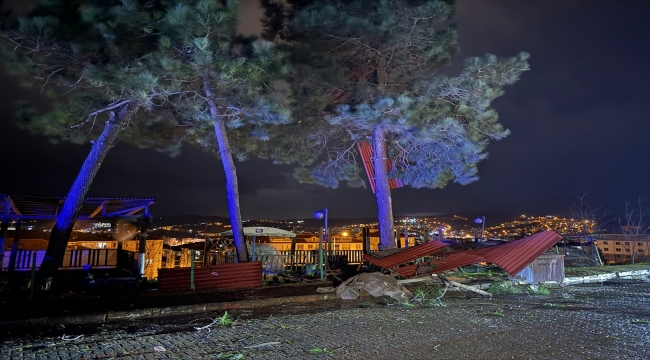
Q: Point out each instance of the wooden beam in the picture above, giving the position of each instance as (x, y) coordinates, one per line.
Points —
(99, 208)
(130, 211)
(13, 206)
(470, 288)
(58, 205)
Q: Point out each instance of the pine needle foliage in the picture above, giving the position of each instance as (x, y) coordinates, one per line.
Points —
(90, 58)
(228, 98)
(365, 70)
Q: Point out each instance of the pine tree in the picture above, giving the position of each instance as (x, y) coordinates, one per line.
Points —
(385, 53)
(90, 57)
(230, 81)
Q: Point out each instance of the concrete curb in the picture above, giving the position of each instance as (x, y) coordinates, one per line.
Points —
(160, 312)
(605, 277)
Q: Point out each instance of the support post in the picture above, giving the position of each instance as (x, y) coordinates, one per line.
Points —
(482, 227)
(406, 237)
(145, 225)
(326, 234)
(254, 243)
(32, 283)
(365, 240)
(320, 254)
(14, 247)
(293, 253)
(142, 247)
(192, 270)
(3, 236)
(206, 248)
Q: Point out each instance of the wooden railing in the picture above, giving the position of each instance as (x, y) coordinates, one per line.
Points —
(72, 259)
(302, 257)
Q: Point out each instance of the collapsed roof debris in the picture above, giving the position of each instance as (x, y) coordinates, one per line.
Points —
(435, 256)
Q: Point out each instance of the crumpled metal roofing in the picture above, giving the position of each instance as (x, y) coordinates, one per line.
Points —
(515, 256)
(407, 255)
(449, 262)
(365, 150)
(512, 257)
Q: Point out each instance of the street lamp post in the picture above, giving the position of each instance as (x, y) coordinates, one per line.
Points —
(322, 214)
(481, 220)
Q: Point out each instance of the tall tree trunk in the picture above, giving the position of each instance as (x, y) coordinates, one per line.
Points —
(382, 190)
(230, 171)
(74, 200)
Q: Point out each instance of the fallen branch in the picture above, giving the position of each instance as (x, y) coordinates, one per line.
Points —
(470, 288)
(199, 328)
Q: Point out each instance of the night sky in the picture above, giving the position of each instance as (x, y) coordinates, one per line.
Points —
(580, 122)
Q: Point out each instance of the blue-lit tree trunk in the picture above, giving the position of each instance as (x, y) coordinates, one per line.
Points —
(74, 200)
(382, 190)
(232, 191)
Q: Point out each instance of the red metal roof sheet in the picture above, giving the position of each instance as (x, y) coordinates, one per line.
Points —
(436, 266)
(366, 155)
(407, 255)
(515, 256)
(512, 257)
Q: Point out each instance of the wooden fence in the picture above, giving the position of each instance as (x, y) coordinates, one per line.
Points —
(271, 263)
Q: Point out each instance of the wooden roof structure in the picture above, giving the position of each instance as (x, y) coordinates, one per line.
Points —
(39, 207)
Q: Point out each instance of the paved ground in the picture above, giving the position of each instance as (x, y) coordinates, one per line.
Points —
(609, 321)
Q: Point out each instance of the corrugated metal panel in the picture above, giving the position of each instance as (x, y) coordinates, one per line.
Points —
(384, 253)
(544, 268)
(244, 275)
(366, 155)
(407, 255)
(515, 256)
(436, 266)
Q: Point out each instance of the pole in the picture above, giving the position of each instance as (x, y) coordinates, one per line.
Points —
(142, 247)
(14, 247)
(320, 254)
(192, 270)
(482, 227)
(3, 236)
(33, 281)
(254, 241)
(206, 247)
(365, 235)
(293, 253)
(406, 237)
(398, 244)
(326, 234)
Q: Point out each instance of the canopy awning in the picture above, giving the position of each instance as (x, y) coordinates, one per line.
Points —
(38, 207)
(261, 231)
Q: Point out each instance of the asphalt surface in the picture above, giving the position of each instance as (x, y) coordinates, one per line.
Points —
(596, 321)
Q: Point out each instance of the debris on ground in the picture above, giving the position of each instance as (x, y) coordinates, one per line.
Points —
(375, 284)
